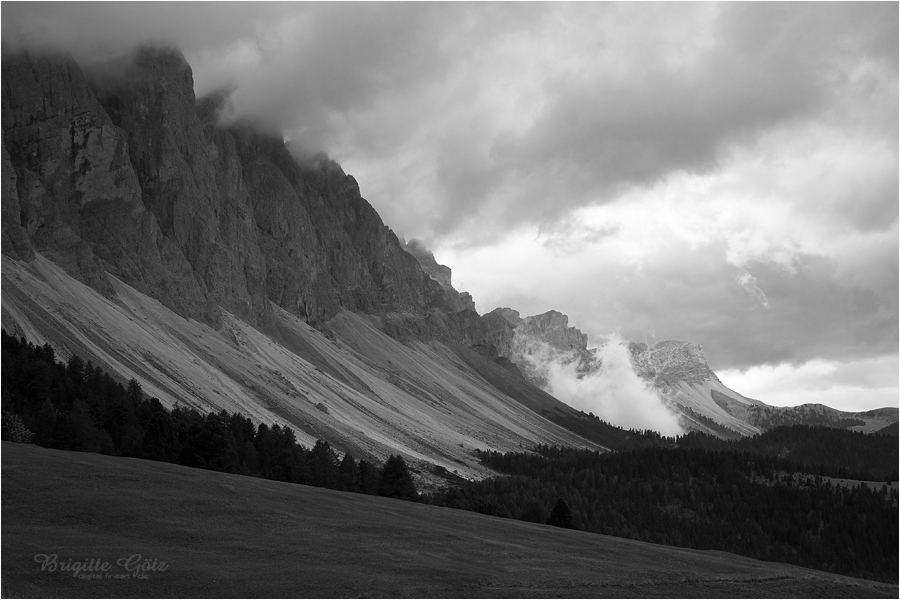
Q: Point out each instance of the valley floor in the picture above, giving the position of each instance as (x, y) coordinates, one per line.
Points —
(223, 535)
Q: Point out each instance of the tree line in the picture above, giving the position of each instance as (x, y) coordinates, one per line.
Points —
(820, 450)
(738, 502)
(78, 406)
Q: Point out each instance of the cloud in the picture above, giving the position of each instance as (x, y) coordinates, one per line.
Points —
(460, 118)
(623, 112)
(613, 392)
(854, 386)
(809, 212)
(569, 235)
(831, 292)
(748, 282)
(93, 31)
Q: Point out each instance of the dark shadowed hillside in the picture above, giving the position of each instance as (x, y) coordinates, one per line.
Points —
(284, 540)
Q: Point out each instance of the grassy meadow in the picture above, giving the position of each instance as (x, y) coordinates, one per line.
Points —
(206, 534)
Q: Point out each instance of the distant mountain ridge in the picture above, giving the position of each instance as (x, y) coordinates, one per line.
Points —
(680, 375)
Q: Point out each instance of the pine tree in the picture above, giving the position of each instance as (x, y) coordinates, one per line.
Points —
(348, 474)
(368, 478)
(396, 481)
(561, 516)
(323, 466)
(161, 439)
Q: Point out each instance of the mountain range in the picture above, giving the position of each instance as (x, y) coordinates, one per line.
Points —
(204, 260)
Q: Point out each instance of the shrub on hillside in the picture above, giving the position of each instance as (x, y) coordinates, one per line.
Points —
(14, 430)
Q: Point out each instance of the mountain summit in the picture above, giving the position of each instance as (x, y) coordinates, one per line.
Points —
(123, 171)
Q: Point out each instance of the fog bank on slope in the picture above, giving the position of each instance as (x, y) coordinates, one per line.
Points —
(608, 388)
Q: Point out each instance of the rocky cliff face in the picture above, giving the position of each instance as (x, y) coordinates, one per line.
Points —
(441, 274)
(78, 199)
(669, 362)
(551, 327)
(123, 171)
(529, 341)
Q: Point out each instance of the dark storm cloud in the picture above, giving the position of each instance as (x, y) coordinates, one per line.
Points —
(326, 63)
(103, 30)
(336, 74)
(696, 296)
(312, 59)
(769, 64)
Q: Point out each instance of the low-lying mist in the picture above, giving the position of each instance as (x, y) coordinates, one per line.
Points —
(608, 387)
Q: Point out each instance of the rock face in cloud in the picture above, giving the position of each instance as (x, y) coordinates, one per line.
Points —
(668, 387)
(441, 273)
(128, 173)
(670, 362)
(616, 393)
(515, 337)
(553, 328)
(602, 382)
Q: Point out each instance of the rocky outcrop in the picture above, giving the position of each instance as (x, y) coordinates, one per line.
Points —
(670, 362)
(441, 274)
(123, 171)
(15, 239)
(194, 190)
(528, 342)
(553, 328)
(78, 200)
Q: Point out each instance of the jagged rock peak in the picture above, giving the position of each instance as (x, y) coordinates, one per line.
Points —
(553, 327)
(440, 273)
(161, 57)
(162, 70)
(670, 361)
(122, 171)
(510, 316)
(528, 342)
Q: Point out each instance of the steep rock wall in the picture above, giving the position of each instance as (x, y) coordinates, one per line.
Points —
(77, 198)
(123, 171)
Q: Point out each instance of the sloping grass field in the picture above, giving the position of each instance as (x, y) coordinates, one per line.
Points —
(205, 534)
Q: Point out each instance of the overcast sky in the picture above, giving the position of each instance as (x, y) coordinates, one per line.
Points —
(720, 173)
